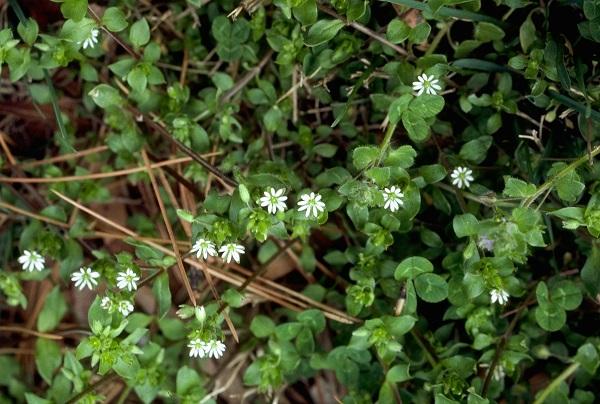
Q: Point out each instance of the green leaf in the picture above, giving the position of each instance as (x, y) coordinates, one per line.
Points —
(273, 118)
(233, 297)
(415, 125)
(262, 326)
(568, 185)
(33, 399)
(397, 31)
(398, 107)
(187, 381)
(398, 374)
(364, 156)
(322, 31)
(325, 149)
(566, 294)
(314, 319)
(427, 105)
(47, 358)
(53, 311)
(185, 215)
(105, 96)
(74, 9)
(591, 9)
(590, 273)
(485, 32)
(403, 157)
(139, 34)
(306, 12)
(587, 357)
(114, 19)
(162, 293)
(476, 150)
(137, 79)
(465, 225)
(432, 173)
(28, 31)
(411, 267)
(420, 33)
(550, 317)
(516, 188)
(287, 331)
(305, 343)
(431, 287)
(399, 325)
(356, 9)
(527, 34)
(230, 37)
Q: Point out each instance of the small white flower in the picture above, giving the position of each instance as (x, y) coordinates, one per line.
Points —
(200, 313)
(214, 349)
(427, 84)
(85, 277)
(31, 260)
(91, 40)
(274, 200)
(485, 243)
(125, 307)
(197, 348)
(312, 204)
(232, 250)
(499, 295)
(127, 280)
(204, 248)
(393, 198)
(106, 303)
(499, 372)
(462, 177)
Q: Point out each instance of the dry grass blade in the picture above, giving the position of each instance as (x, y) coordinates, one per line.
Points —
(21, 330)
(95, 176)
(33, 215)
(163, 211)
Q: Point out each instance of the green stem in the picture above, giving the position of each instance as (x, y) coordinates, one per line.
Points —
(438, 37)
(552, 181)
(124, 395)
(430, 358)
(386, 140)
(106, 378)
(556, 382)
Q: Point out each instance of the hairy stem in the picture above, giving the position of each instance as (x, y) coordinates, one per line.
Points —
(556, 382)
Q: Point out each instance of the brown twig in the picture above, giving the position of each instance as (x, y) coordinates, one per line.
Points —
(22, 330)
(163, 211)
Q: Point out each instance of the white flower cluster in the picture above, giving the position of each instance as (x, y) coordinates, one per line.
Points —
(211, 349)
(205, 248)
(499, 296)
(86, 277)
(274, 201)
(125, 307)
